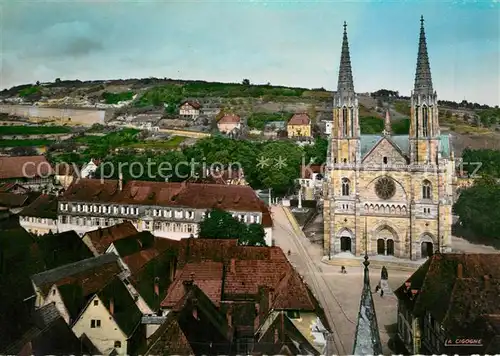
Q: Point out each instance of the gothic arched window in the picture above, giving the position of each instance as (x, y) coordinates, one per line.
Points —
(426, 189)
(425, 121)
(344, 121)
(345, 186)
(352, 121)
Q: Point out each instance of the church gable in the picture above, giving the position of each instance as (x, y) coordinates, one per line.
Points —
(385, 148)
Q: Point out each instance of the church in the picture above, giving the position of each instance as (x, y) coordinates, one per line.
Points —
(388, 195)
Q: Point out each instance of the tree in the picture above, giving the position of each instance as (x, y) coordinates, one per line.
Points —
(37, 83)
(23, 151)
(219, 224)
(58, 80)
(245, 82)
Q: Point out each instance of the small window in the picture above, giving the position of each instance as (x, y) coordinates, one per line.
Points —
(53, 292)
(92, 324)
(293, 314)
(345, 160)
(96, 302)
(118, 344)
(385, 160)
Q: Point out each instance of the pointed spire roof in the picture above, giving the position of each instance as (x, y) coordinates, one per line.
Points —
(423, 79)
(387, 122)
(367, 337)
(345, 83)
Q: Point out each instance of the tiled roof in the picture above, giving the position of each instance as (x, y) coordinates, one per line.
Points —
(192, 103)
(190, 195)
(139, 259)
(437, 284)
(402, 141)
(63, 248)
(206, 275)
(225, 271)
(169, 339)
(91, 274)
(102, 238)
(198, 250)
(24, 167)
(156, 270)
(12, 200)
(50, 336)
(45, 206)
(229, 119)
(135, 243)
(300, 119)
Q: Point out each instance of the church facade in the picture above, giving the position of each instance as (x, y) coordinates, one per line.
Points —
(388, 194)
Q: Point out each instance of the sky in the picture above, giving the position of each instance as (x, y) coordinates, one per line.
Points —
(293, 43)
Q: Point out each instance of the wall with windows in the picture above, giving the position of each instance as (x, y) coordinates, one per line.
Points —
(38, 226)
(98, 324)
(174, 223)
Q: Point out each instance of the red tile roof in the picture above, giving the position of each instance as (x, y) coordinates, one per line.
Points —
(24, 167)
(45, 206)
(247, 269)
(102, 238)
(12, 200)
(193, 104)
(191, 195)
(206, 275)
(8, 187)
(465, 298)
(139, 259)
(229, 119)
(300, 119)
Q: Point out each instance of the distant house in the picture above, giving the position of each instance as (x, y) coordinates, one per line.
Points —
(229, 123)
(274, 129)
(40, 217)
(449, 299)
(64, 174)
(99, 240)
(89, 169)
(33, 172)
(311, 180)
(189, 109)
(328, 126)
(299, 126)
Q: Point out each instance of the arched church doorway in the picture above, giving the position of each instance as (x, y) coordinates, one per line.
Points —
(427, 249)
(380, 247)
(345, 244)
(390, 247)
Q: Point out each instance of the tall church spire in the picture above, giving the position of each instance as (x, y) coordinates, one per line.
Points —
(345, 83)
(423, 79)
(367, 337)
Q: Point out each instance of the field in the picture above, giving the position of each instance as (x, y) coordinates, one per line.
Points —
(172, 143)
(33, 130)
(25, 143)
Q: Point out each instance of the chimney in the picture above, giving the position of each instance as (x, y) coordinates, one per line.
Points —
(120, 181)
(232, 268)
(486, 281)
(460, 271)
(157, 286)
(111, 306)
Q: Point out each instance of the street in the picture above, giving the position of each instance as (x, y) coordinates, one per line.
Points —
(339, 294)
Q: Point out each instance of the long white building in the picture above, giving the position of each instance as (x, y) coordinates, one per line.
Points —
(171, 210)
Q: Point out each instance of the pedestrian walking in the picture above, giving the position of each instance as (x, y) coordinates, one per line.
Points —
(342, 270)
(381, 292)
(377, 288)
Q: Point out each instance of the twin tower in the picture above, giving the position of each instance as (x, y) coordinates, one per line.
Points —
(424, 132)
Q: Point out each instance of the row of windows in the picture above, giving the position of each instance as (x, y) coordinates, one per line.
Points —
(34, 220)
(426, 188)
